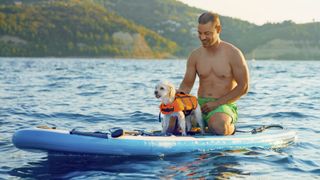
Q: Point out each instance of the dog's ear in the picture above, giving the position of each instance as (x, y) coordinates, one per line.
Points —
(172, 91)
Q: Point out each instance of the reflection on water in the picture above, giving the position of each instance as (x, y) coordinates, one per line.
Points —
(196, 166)
(209, 165)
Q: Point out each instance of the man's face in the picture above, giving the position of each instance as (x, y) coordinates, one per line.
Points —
(208, 34)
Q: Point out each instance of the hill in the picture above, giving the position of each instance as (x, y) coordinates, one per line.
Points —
(285, 40)
(173, 20)
(138, 29)
(75, 28)
(178, 22)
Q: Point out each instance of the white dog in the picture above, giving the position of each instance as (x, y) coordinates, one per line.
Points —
(175, 105)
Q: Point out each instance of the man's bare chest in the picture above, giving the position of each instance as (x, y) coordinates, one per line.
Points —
(214, 68)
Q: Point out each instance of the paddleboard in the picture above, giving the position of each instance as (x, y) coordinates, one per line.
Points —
(55, 140)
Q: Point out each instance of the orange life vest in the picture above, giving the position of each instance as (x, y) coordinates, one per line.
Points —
(182, 102)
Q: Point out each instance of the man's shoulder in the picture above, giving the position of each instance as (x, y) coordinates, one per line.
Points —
(196, 51)
(229, 46)
(233, 53)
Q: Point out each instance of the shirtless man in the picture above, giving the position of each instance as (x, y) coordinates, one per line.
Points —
(223, 75)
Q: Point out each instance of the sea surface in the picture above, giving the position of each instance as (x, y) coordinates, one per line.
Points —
(98, 94)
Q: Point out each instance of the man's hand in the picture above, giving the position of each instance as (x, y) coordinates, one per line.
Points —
(178, 91)
(209, 106)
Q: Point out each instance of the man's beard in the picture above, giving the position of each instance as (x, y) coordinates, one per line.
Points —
(206, 43)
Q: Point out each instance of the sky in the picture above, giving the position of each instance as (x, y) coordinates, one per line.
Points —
(263, 11)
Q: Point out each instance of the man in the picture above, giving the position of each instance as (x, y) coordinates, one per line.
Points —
(223, 76)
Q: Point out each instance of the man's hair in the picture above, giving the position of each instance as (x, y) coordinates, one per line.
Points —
(206, 17)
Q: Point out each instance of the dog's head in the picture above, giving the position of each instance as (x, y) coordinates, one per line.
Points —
(165, 91)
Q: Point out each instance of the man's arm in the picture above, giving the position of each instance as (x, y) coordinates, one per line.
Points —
(190, 76)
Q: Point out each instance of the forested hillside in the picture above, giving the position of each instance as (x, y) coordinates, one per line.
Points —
(138, 29)
(174, 20)
(178, 22)
(285, 40)
(75, 28)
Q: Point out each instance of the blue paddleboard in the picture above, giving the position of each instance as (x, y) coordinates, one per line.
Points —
(54, 140)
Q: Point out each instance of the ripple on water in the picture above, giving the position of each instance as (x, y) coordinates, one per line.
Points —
(283, 115)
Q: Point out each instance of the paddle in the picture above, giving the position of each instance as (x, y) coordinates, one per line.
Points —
(261, 129)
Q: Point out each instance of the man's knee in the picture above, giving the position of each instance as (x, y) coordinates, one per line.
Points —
(220, 124)
(225, 130)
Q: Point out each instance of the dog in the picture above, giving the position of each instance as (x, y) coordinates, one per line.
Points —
(171, 106)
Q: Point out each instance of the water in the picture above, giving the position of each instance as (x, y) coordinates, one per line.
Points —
(97, 94)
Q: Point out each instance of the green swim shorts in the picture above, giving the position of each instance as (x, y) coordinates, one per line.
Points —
(230, 109)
